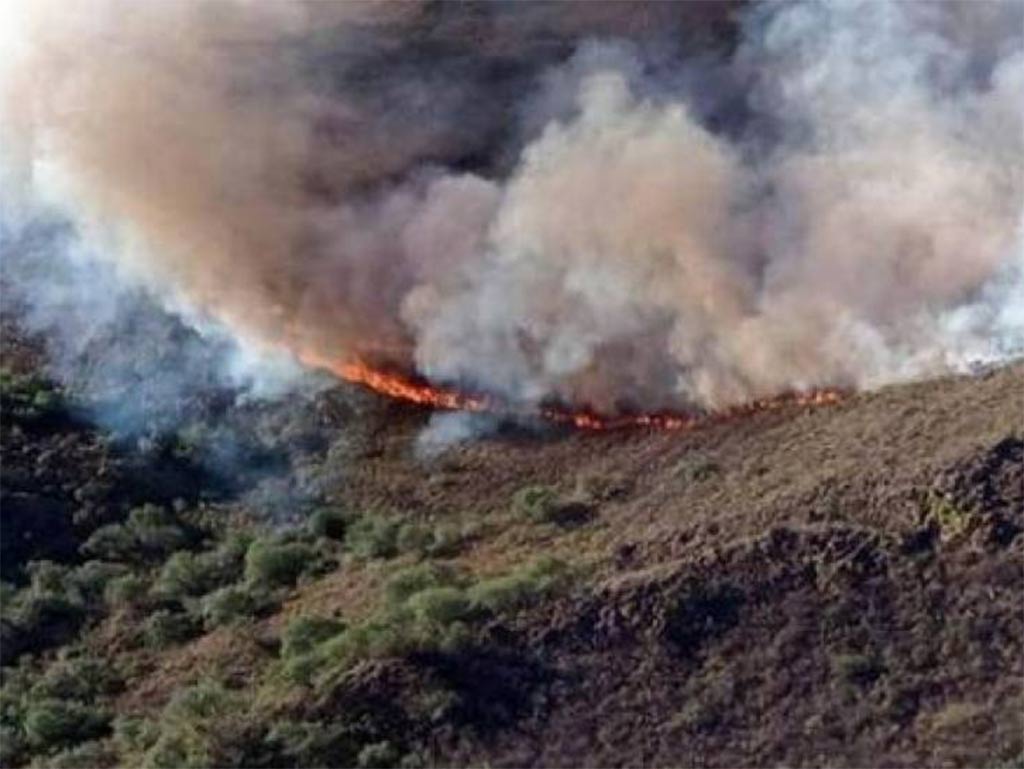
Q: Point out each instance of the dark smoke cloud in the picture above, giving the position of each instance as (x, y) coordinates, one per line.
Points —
(667, 204)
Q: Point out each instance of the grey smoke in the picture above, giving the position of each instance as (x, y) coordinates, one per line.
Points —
(619, 204)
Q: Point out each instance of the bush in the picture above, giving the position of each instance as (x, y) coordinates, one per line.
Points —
(165, 628)
(373, 537)
(440, 605)
(28, 397)
(113, 542)
(538, 504)
(51, 724)
(131, 590)
(300, 644)
(314, 743)
(328, 522)
(187, 574)
(12, 744)
(48, 578)
(44, 614)
(198, 727)
(304, 634)
(407, 582)
(378, 755)
(156, 530)
(231, 604)
(511, 592)
(88, 755)
(427, 542)
(134, 735)
(276, 565)
(80, 678)
(89, 581)
(857, 668)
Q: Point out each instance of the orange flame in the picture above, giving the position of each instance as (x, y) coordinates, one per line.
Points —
(405, 388)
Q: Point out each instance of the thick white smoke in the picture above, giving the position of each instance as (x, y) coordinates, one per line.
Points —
(817, 195)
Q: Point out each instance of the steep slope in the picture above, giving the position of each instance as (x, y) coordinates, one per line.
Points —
(812, 585)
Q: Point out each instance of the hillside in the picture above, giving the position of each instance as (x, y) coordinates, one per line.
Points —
(835, 585)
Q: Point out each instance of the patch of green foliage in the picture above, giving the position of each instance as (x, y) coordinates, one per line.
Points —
(277, 564)
(149, 532)
(328, 522)
(431, 608)
(442, 541)
(46, 711)
(516, 590)
(51, 724)
(233, 603)
(201, 726)
(165, 628)
(187, 574)
(372, 536)
(944, 513)
(28, 398)
(538, 504)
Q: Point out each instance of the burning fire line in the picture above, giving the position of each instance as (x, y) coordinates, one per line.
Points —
(404, 388)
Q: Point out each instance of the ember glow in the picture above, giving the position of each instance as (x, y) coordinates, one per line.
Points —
(411, 390)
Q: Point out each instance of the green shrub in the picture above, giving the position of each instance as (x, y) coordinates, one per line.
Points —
(440, 605)
(275, 564)
(51, 724)
(857, 668)
(89, 581)
(88, 755)
(156, 530)
(130, 590)
(328, 522)
(378, 755)
(28, 397)
(113, 542)
(413, 579)
(165, 628)
(232, 604)
(187, 574)
(45, 613)
(133, 734)
(315, 743)
(12, 745)
(380, 636)
(303, 634)
(301, 646)
(429, 542)
(502, 594)
(428, 607)
(372, 537)
(538, 504)
(952, 520)
(199, 727)
(48, 578)
(511, 592)
(695, 468)
(79, 678)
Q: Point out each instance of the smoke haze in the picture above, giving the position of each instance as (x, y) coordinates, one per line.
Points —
(617, 204)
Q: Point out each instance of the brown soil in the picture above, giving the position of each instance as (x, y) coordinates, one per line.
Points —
(835, 585)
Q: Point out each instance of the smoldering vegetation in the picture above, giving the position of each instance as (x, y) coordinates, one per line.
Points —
(612, 204)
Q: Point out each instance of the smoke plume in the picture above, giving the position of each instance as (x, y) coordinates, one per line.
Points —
(617, 204)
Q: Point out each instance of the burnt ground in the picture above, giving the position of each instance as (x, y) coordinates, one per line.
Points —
(839, 585)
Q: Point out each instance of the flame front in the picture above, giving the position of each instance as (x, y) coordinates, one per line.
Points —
(405, 388)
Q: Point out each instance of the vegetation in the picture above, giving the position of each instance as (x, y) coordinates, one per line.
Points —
(365, 622)
(276, 564)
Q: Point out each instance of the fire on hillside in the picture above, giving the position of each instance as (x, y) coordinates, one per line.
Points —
(412, 389)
